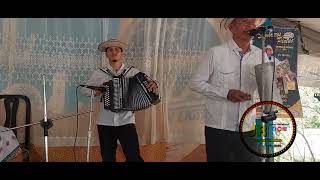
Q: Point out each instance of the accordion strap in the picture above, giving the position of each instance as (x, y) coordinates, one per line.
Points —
(125, 71)
(107, 71)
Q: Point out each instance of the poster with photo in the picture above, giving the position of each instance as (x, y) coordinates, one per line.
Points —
(281, 45)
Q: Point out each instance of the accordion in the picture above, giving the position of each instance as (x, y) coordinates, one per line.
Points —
(128, 94)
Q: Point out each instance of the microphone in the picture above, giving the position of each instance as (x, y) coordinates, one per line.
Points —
(260, 30)
(95, 88)
(317, 95)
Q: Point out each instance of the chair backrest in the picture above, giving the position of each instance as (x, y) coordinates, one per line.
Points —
(11, 104)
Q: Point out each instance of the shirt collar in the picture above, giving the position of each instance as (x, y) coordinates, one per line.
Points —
(234, 46)
(111, 69)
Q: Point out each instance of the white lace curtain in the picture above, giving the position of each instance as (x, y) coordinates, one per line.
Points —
(65, 50)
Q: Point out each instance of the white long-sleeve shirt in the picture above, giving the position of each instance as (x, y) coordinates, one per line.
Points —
(107, 117)
(222, 69)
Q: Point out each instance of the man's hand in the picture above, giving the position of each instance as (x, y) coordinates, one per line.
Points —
(238, 96)
(152, 86)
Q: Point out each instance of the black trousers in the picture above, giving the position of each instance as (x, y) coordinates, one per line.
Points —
(128, 137)
(226, 146)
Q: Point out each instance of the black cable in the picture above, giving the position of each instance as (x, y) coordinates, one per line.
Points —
(274, 65)
(75, 140)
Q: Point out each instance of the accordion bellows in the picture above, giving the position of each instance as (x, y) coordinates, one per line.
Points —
(129, 94)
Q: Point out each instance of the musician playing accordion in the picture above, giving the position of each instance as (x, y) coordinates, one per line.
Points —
(116, 125)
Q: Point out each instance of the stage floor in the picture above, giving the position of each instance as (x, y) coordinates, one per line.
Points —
(150, 153)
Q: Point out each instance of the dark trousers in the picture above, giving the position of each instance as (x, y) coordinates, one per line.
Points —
(226, 146)
(128, 137)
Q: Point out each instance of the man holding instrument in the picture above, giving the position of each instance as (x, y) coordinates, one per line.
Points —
(113, 126)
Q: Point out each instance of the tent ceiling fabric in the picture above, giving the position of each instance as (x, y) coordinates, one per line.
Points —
(312, 23)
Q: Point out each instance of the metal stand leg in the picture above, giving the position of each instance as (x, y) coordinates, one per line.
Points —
(45, 128)
(89, 127)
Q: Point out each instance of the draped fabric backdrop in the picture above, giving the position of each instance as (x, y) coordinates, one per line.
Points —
(62, 49)
(65, 51)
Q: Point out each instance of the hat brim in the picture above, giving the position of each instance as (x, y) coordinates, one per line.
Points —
(104, 45)
(225, 22)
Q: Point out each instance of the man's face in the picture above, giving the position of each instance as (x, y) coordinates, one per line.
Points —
(240, 27)
(269, 51)
(114, 53)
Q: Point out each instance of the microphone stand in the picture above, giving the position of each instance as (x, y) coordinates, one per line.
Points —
(42, 121)
(89, 126)
(46, 125)
(265, 79)
(45, 120)
(263, 47)
(93, 89)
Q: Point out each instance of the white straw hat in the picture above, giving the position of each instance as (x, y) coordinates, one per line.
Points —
(111, 42)
(225, 22)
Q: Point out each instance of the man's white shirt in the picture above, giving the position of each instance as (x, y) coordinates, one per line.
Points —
(107, 117)
(218, 72)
